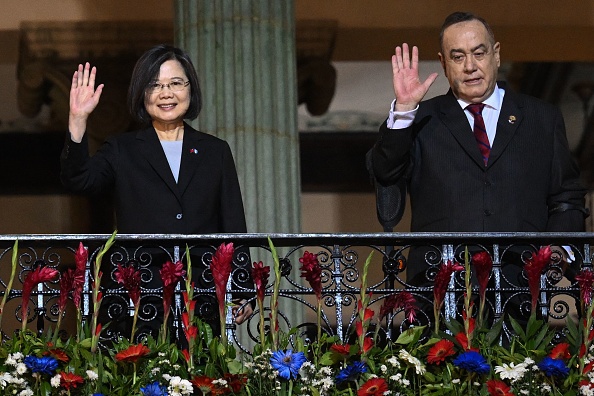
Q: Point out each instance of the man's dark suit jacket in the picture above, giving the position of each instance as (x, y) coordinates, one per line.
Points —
(207, 198)
(531, 182)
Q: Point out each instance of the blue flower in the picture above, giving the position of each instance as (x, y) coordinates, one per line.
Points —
(98, 394)
(154, 389)
(43, 365)
(473, 361)
(553, 367)
(350, 373)
(287, 363)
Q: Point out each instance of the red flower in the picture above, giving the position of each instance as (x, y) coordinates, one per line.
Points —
(343, 350)
(132, 353)
(66, 281)
(585, 280)
(203, 383)
(235, 381)
(78, 280)
(403, 300)
(373, 387)
(186, 354)
(312, 272)
(70, 380)
(221, 270)
(58, 354)
(560, 351)
(498, 388)
(462, 340)
(440, 351)
(534, 268)
(367, 344)
(260, 274)
(171, 274)
(33, 278)
(442, 280)
(482, 265)
(129, 277)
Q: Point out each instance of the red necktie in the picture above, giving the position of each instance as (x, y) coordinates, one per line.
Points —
(480, 132)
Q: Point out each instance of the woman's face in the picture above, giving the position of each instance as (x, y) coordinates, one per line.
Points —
(166, 106)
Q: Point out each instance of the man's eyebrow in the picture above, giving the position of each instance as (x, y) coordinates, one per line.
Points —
(458, 50)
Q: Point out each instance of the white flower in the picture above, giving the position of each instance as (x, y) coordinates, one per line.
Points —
(55, 381)
(456, 381)
(178, 386)
(394, 361)
(511, 371)
(407, 357)
(383, 368)
(586, 390)
(92, 375)
(21, 368)
(26, 392)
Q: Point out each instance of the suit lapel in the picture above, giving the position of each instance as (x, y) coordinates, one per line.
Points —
(455, 120)
(192, 155)
(150, 148)
(510, 118)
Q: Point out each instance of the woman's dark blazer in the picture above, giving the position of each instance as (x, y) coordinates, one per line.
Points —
(207, 198)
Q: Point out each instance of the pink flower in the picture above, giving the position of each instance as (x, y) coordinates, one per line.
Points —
(129, 277)
(221, 270)
(312, 272)
(442, 280)
(260, 274)
(534, 269)
(33, 278)
(403, 300)
(171, 274)
(585, 280)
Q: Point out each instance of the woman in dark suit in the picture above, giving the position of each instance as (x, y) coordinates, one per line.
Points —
(166, 177)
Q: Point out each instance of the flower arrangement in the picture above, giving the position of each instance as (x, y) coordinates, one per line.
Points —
(458, 358)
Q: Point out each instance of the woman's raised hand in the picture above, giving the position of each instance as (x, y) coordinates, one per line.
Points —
(83, 99)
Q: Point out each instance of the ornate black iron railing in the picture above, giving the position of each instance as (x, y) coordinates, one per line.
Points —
(341, 257)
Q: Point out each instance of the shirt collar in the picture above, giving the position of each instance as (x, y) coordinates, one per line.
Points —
(494, 101)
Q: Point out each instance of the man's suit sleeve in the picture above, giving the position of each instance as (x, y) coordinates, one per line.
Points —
(390, 155)
(566, 199)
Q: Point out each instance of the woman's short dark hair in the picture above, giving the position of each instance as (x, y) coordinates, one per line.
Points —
(147, 70)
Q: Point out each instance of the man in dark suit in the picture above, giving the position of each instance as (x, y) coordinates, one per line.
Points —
(517, 176)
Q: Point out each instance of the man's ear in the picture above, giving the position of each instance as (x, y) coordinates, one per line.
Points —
(441, 60)
(496, 48)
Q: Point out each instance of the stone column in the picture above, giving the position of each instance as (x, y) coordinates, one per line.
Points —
(244, 53)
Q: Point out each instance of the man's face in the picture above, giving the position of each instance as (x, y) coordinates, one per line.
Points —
(470, 61)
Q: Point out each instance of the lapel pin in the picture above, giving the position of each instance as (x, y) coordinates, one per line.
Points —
(512, 119)
(193, 151)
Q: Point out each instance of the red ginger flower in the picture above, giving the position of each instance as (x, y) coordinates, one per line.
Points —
(260, 274)
(442, 280)
(560, 351)
(312, 272)
(70, 380)
(373, 387)
(482, 265)
(65, 287)
(585, 280)
(129, 277)
(132, 354)
(440, 351)
(221, 270)
(33, 278)
(403, 300)
(171, 274)
(80, 258)
(534, 269)
(498, 388)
